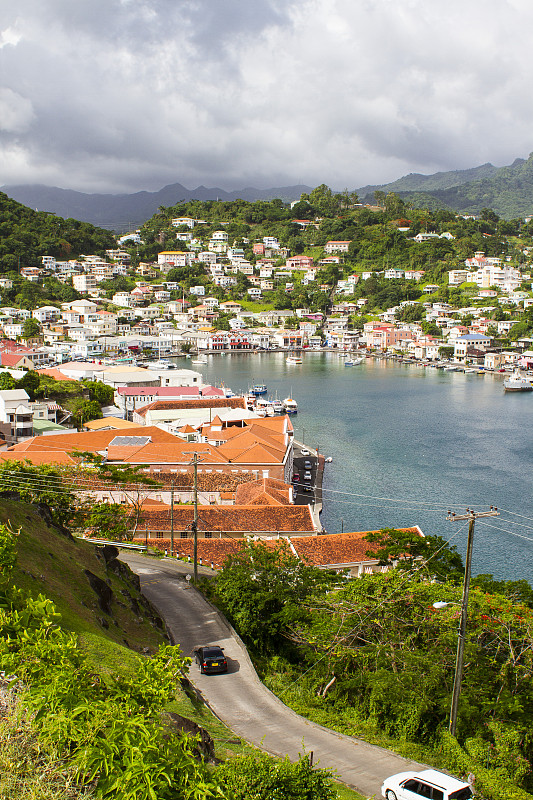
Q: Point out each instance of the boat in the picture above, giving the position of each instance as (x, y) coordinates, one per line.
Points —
(199, 360)
(348, 362)
(517, 382)
(290, 406)
(263, 403)
(277, 405)
(250, 399)
(258, 389)
(161, 364)
(293, 360)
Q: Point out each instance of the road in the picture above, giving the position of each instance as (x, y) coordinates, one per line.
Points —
(240, 699)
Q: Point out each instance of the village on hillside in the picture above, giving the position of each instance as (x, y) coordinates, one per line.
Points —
(287, 285)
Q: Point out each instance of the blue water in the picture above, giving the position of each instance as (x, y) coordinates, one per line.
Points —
(407, 444)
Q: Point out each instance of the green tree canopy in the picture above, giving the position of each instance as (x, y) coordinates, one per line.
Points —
(263, 590)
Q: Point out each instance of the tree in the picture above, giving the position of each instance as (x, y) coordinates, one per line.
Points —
(85, 410)
(30, 381)
(388, 657)
(262, 777)
(7, 381)
(446, 352)
(430, 554)
(40, 484)
(324, 200)
(30, 328)
(264, 589)
(414, 313)
(132, 482)
(108, 521)
(101, 392)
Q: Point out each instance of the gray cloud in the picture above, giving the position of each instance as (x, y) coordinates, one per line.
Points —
(119, 95)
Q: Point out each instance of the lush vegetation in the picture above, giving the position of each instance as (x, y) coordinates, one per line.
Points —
(84, 713)
(375, 659)
(26, 235)
(381, 239)
(507, 190)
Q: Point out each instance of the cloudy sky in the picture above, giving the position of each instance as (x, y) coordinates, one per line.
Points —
(123, 95)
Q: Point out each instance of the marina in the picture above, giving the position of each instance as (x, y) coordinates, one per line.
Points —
(407, 441)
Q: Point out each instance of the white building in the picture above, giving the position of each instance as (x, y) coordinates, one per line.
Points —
(15, 411)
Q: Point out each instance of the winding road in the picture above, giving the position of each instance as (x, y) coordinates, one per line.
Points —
(240, 699)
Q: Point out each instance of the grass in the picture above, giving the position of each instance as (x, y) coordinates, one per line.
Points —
(345, 720)
(30, 772)
(51, 564)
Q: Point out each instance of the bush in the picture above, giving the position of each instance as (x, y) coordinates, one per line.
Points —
(261, 777)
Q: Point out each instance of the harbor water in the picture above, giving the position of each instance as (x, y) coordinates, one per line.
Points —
(408, 443)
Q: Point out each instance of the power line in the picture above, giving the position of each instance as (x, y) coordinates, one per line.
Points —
(445, 506)
(503, 530)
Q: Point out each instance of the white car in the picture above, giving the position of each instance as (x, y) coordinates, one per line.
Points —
(429, 784)
(305, 452)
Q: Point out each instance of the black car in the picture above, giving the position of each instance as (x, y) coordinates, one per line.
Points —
(211, 659)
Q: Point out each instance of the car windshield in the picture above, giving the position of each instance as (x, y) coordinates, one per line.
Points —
(213, 652)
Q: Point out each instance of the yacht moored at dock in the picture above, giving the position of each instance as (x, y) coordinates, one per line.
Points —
(290, 406)
(517, 382)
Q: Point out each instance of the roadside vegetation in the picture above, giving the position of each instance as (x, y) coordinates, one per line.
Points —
(373, 658)
(90, 689)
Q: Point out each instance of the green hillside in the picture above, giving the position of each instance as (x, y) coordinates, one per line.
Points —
(506, 190)
(25, 235)
(416, 182)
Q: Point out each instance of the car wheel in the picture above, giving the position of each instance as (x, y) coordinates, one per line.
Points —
(389, 794)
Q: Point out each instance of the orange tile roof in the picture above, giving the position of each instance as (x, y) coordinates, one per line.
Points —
(38, 457)
(56, 374)
(199, 402)
(230, 519)
(177, 452)
(267, 491)
(109, 422)
(323, 550)
(211, 551)
(92, 441)
(335, 548)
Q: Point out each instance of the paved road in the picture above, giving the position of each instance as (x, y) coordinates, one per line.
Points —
(240, 699)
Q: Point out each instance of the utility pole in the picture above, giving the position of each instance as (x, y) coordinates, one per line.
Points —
(171, 519)
(461, 634)
(195, 518)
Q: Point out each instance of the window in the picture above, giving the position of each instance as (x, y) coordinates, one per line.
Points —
(183, 535)
(208, 535)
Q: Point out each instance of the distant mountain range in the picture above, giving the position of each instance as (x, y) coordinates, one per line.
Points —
(123, 212)
(507, 190)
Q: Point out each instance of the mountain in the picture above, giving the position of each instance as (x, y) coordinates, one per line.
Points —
(121, 212)
(507, 190)
(439, 180)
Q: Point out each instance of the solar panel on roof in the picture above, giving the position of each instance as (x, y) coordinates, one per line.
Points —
(130, 441)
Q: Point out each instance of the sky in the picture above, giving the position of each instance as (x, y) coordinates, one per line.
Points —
(128, 95)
